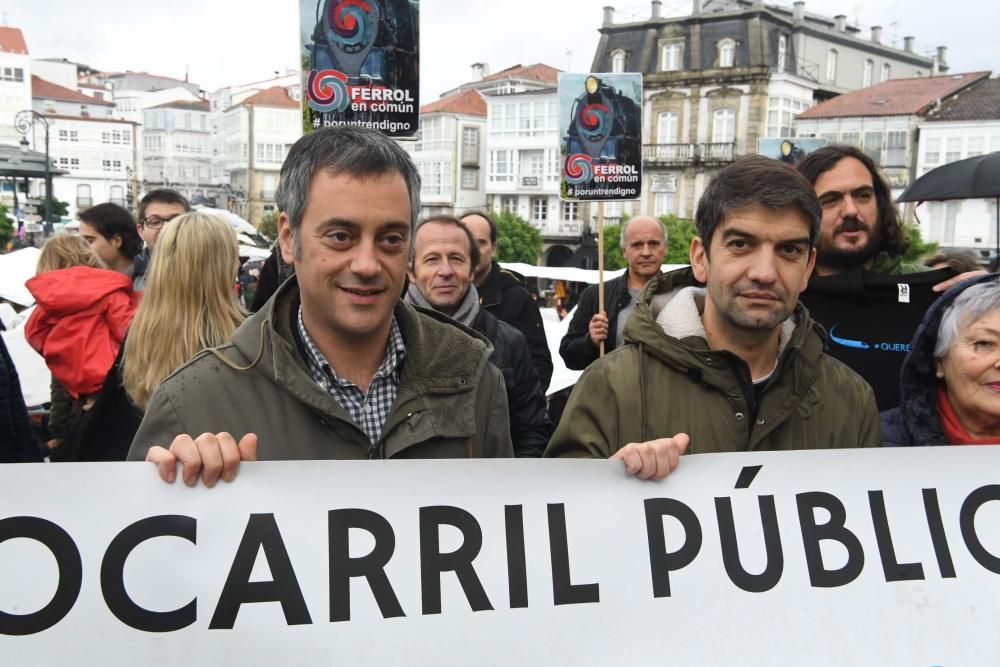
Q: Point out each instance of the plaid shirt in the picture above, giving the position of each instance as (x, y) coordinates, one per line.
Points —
(369, 411)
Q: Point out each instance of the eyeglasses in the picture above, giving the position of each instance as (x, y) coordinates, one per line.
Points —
(155, 222)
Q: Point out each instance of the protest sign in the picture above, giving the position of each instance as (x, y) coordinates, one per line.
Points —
(600, 129)
(790, 150)
(866, 557)
(361, 64)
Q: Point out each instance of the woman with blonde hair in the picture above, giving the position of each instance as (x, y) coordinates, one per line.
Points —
(190, 303)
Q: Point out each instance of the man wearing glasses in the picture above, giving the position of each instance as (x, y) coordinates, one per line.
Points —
(157, 208)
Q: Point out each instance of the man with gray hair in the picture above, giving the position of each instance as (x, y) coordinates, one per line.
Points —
(644, 244)
(335, 366)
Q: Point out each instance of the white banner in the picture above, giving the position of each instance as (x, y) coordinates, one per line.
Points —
(875, 557)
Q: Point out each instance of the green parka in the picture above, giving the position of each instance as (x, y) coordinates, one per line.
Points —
(657, 385)
(451, 401)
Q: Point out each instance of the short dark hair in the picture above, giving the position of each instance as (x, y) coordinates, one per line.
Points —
(162, 196)
(341, 149)
(488, 218)
(890, 226)
(756, 180)
(474, 253)
(112, 220)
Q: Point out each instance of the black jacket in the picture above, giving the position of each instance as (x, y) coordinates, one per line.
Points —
(530, 428)
(916, 420)
(576, 348)
(503, 295)
(17, 443)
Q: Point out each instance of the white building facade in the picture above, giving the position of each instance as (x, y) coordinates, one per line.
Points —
(15, 82)
(178, 151)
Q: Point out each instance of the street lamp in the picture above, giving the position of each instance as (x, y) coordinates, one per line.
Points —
(24, 121)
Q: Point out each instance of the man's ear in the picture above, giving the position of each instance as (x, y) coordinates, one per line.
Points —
(699, 260)
(285, 241)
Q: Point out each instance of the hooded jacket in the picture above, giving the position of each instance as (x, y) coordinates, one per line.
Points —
(916, 420)
(79, 323)
(658, 385)
(451, 401)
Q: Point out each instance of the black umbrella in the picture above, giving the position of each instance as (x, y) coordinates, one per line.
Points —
(972, 178)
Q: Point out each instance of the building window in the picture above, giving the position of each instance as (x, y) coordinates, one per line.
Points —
(727, 53)
(781, 112)
(470, 178)
(539, 208)
(886, 71)
(953, 150)
(932, 152)
(831, 65)
(502, 166)
(508, 204)
(116, 195)
(782, 52)
(663, 204)
(895, 148)
(666, 128)
(570, 210)
(724, 126)
(869, 69)
(470, 145)
(873, 146)
(83, 198)
(670, 57)
(976, 145)
(436, 134)
(618, 61)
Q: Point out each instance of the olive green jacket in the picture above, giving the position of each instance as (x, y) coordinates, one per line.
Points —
(893, 265)
(451, 402)
(658, 385)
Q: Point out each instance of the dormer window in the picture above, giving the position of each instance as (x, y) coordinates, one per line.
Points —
(618, 61)
(670, 57)
(727, 53)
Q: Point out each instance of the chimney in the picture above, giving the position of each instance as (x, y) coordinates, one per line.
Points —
(609, 16)
(798, 11)
(908, 44)
(758, 4)
(840, 22)
(276, 74)
(696, 9)
(480, 70)
(876, 34)
(942, 58)
(657, 9)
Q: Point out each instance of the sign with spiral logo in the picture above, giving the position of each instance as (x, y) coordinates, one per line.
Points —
(361, 64)
(600, 120)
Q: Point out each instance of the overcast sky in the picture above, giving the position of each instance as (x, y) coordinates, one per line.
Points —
(221, 42)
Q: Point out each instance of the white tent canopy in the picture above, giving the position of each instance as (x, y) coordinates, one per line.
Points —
(236, 222)
(15, 269)
(569, 273)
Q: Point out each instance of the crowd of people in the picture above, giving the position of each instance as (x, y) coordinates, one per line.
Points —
(797, 325)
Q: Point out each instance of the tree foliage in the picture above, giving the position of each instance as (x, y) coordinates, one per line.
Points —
(268, 226)
(918, 248)
(6, 228)
(517, 240)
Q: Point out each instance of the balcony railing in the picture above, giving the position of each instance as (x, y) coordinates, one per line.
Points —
(685, 154)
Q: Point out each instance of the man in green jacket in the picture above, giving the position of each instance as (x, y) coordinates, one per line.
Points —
(334, 366)
(736, 365)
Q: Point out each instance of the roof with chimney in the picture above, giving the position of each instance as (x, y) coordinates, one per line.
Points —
(185, 105)
(276, 96)
(47, 90)
(12, 41)
(537, 72)
(895, 97)
(977, 102)
(469, 103)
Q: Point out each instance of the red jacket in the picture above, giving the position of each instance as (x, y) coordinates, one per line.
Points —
(79, 323)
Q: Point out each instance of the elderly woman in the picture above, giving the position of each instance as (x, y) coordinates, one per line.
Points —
(950, 380)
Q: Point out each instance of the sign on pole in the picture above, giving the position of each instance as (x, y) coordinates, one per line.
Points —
(829, 557)
(361, 64)
(790, 150)
(600, 121)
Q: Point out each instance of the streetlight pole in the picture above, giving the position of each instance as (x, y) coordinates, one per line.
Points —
(24, 121)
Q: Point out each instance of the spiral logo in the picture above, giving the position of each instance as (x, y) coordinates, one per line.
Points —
(328, 90)
(579, 169)
(594, 118)
(352, 23)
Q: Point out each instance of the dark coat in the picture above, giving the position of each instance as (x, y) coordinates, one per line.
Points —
(503, 295)
(576, 348)
(916, 420)
(530, 428)
(17, 444)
